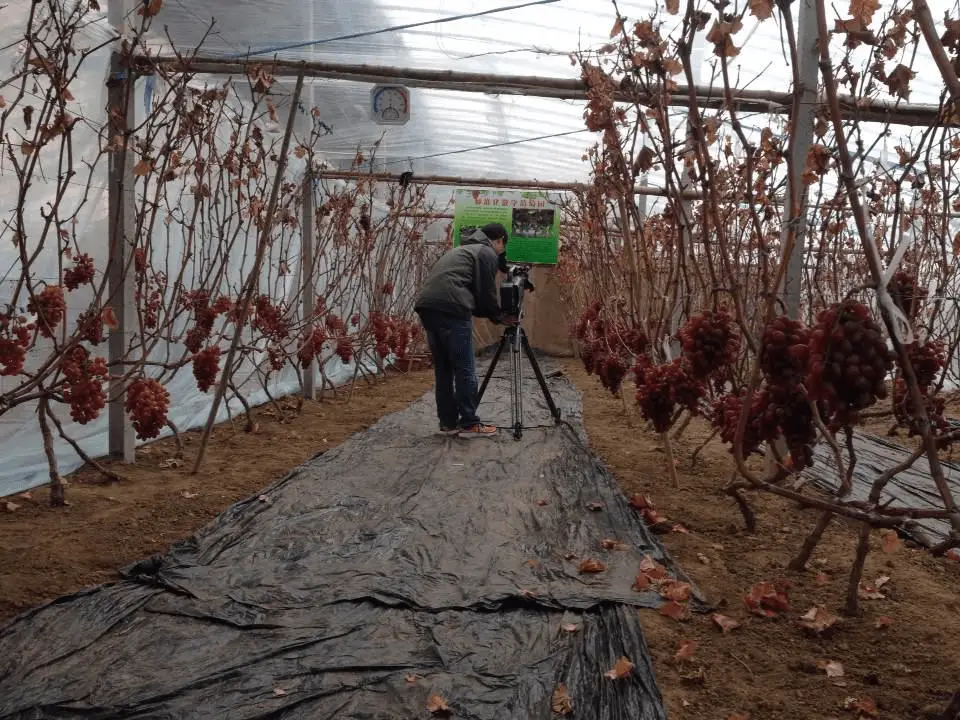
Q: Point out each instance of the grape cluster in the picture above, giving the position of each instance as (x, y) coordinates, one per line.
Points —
(661, 389)
(927, 361)
(312, 347)
(907, 293)
(392, 334)
(335, 324)
(90, 326)
(270, 319)
(344, 349)
(206, 366)
(607, 350)
(849, 361)
(147, 404)
(726, 417)
(14, 340)
(204, 315)
(50, 307)
(150, 309)
(787, 410)
(710, 342)
(277, 359)
(81, 273)
(784, 351)
(83, 384)
(387, 288)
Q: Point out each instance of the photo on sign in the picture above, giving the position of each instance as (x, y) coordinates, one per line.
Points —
(532, 223)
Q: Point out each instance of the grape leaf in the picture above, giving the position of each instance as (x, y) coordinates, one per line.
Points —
(891, 541)
(761, 9)
(864, 706)
(863, 10)
(675, 610)
(818, 619)
(641, 582)
(621, 670)
(611, 544)
(150, 8)
(617, 28)
(832, 668)
(673, 6)
(652, 569)
(765, 600)
(437, 705)
(883, 621)
(143, 167)
(675, 590)
(898, 81)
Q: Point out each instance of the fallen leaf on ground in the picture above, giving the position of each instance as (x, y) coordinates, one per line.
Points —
(675, 590)
(726, 624)
(641, 582)
(884, 621)
(622, 668)
(562, 703)
(27, 495)
(437, 704)
(10, 506)
(864, 706)
(541, 503)
(591, 566)
(263, 499)
(703, 558)
(569, 556)
(869, 592)
(881, 581)
(675, 610)
(611, 544)
(685, 650)
(832, 668)
(189, 495)
(595, 506)
(954, 554)
(279, 692)
(890, 541)
(170, 463)
(818, 619)
(822, 578)
(652, 569)
(411, 678)
(570, 627)
(640, 502)
(678, 528)
(765, 600)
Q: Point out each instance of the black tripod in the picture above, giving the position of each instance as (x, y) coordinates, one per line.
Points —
(516, 338)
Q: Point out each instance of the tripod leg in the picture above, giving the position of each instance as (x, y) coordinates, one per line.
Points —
(516, 347)
(554, 410)
(493, 366)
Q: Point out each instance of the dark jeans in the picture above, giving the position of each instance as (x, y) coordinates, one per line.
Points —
(451, 345)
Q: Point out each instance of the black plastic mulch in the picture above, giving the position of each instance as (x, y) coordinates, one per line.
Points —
(399, 565)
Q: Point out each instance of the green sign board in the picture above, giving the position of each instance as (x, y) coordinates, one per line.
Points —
(532, 221)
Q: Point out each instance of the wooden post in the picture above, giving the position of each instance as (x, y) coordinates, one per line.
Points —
(122, 208)
(307, 241)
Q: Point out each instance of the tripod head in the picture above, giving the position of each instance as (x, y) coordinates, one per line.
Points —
(513, 289)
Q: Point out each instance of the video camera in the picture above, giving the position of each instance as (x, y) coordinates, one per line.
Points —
(512, 289)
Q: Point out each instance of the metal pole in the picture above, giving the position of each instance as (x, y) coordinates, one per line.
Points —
(307, 241)
(121, 212)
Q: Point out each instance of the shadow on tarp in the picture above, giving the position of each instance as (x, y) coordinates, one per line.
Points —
(913, 487)
(399, 553)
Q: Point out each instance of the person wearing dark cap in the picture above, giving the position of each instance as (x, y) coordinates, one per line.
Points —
(461, 285)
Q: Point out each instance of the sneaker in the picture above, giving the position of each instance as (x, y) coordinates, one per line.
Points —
(449, 430)
(478, 430)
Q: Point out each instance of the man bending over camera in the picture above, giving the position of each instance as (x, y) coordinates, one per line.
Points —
(461, 285)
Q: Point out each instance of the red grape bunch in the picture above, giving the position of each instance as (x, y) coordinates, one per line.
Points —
(270, 320)
(83, 384)
(608, 350)
(312, 347)
(849, 362)
(927, 361)
(147, 404)
(661, 389)
(14, 341)
(50, 308)
(726, 417)
(784, 352)
(81, 273)
(206, 366)
(344, 349)
(710, 342)
(907, 293)
(205, 315)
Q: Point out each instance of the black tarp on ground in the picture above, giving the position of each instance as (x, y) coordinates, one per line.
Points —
(399, 552)
(911, 488)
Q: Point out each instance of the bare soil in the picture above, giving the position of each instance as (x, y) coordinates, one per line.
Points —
(47, 552)
(766, 669)
(769, 669)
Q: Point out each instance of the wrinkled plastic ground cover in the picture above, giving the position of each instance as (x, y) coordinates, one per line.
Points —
(911, 488)
(399, 565)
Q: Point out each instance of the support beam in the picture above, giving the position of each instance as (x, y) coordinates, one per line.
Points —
(503, 183)
(121, 214)
(307, 240)
(755, 101)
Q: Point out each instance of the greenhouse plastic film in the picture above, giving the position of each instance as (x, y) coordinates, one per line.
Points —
(400, 565)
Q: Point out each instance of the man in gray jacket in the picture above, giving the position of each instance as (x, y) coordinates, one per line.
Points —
(461, 285)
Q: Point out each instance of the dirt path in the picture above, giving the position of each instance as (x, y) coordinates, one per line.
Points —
(768, 669)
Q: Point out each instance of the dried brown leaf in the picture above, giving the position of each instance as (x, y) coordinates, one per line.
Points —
(279, 692)
(641, 582)
(761, 9)
(675, 590)
(621, 669)
(766, 600)
(562, 703)
(611, 544)
(589, 565)
(143, 167)
(898, 81)
(675, 610)
(863, 10)
(890, 542)
(883, 621)
(726, 624)
(617, 28)
(595, 506)
(150, 8)
(818, 619)
(832, 668)
(673, 6)
(437, 705)
(864, 706)
(10, 506)
(685, 650)
(411, 678)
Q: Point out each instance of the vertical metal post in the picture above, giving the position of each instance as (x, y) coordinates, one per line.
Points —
(122, 209)
(307, 241)
(802, 126)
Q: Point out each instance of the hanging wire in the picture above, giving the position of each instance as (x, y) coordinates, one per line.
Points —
(487, 147)
(408, 26)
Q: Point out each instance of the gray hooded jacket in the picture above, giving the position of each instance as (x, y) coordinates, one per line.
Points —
(463, 282)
